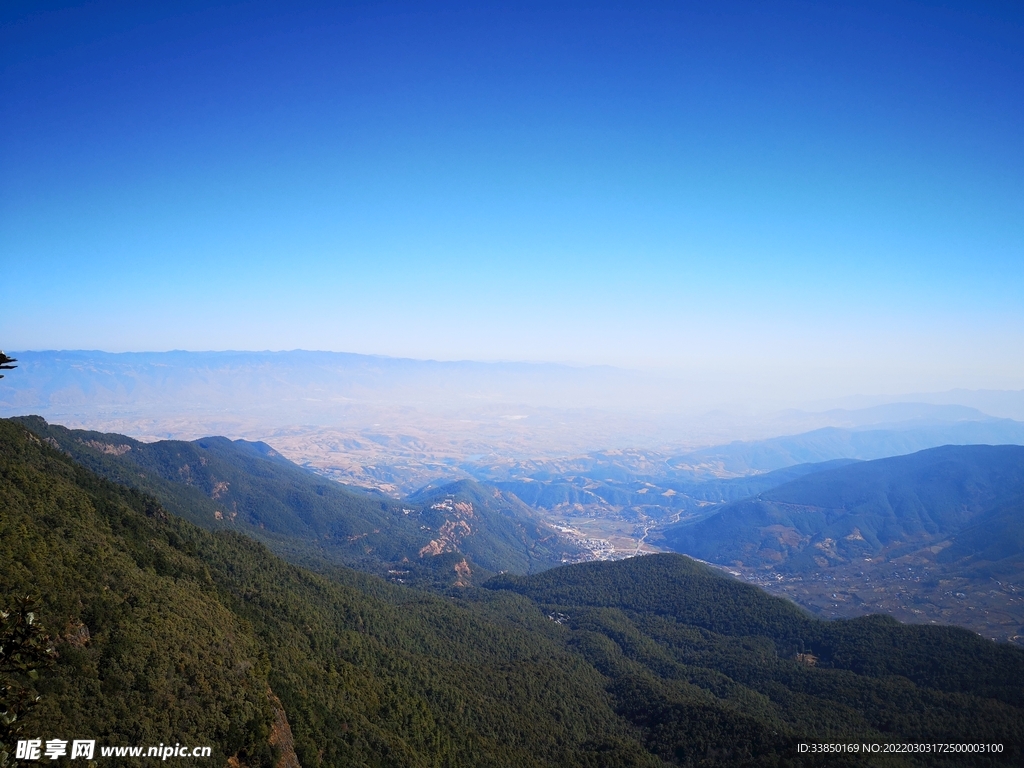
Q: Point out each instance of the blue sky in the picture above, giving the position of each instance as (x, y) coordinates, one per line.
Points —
(786, 192)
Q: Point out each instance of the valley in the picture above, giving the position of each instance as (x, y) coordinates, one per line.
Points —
(918, 594)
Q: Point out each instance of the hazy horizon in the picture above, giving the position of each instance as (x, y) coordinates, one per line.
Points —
(704, 391)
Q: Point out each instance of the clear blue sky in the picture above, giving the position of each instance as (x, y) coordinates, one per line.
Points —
(788, 192)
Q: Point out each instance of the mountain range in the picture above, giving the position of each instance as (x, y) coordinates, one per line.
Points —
(934, 536)
(662, 484)
(163, 629)
(248, 486)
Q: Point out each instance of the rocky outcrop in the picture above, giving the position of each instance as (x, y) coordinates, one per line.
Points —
(281, 735)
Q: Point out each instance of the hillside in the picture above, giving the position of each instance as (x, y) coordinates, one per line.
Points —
(691, 653)
(516, 539)
(168, 631)
(165, 630)
(860, 509)
(932, 536)
(246, 486)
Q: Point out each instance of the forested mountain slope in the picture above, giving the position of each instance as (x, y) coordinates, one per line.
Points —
(166, 631)
(858, 511)
(705, 665)
(171, 633)
(223, 484)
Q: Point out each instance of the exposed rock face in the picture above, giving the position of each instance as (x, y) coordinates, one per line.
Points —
(453, 530)
(113, 450)
(463, 572)
(281, 735)
(77, 634)
(434, 547)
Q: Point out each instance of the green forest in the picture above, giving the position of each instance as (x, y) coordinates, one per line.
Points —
(147, 628)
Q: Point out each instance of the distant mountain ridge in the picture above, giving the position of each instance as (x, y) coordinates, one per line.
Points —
(397, 425)
(1001, 403)
(297, 380)
(862, 508)
(659, 493)
(831, 443)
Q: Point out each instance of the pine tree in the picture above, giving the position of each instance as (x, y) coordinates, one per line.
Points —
(25, 648)
(5, 363)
